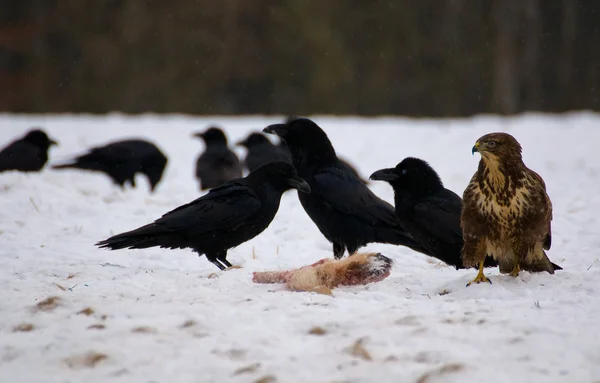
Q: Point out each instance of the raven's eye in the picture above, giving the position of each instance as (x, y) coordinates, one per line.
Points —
(404, 171)
(491, 144)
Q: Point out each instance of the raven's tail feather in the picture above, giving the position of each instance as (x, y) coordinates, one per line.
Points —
(452, 259)
(85, 162)
(72, 165)
(399, 237)
(142, 238)
(402, 238)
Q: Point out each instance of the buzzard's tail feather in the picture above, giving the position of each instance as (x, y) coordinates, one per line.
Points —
(541, 264)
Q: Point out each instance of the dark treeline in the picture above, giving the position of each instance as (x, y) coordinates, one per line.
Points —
(412, 57)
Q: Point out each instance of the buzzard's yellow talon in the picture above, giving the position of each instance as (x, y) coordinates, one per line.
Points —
(478, 279)
(480, 276)
(515, 270)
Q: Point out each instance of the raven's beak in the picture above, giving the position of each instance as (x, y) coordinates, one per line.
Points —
(241, 143)
(298, 183)
(52, 142)
(475, 148)
(277, 129)
(384, 175)
(198, 135)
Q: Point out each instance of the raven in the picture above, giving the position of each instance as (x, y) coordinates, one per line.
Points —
(344, 209)
(427, 211)
(261, 151)
(225, 217)
(121, 160)
(217, 164)
(27, 154)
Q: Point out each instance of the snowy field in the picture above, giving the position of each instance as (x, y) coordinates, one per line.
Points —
(157, 315)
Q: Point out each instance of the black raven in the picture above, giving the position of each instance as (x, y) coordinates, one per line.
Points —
(353, 170)
(27, 154)
(121, 160)
(217, 164)
(261, 151)
(225, 217)
(344, 209)
(427, 211)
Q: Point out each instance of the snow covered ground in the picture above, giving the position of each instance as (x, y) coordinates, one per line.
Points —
(158, 315)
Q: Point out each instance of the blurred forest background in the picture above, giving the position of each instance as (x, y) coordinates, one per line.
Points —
(407, 57)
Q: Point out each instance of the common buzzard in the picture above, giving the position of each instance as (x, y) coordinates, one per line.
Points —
(506, 212)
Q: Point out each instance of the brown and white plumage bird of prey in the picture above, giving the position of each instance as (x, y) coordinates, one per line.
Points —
(506, 212)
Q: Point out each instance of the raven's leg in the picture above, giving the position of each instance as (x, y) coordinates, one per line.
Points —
(218, 264)
(338, 250)
(212, 258)
(222, 257)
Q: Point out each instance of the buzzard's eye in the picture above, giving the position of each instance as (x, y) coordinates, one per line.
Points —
(404, 171)
(491, 144)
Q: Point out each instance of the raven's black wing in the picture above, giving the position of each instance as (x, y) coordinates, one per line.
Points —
(348, 195)
(439, 215)
(222, 210)
(352, 212)
(16, 155)
(101, 158)
(353, 170)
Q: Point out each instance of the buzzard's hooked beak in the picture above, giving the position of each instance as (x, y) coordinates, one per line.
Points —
(276, 129)
(298, 183)
(475, 148)
(384, 175)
